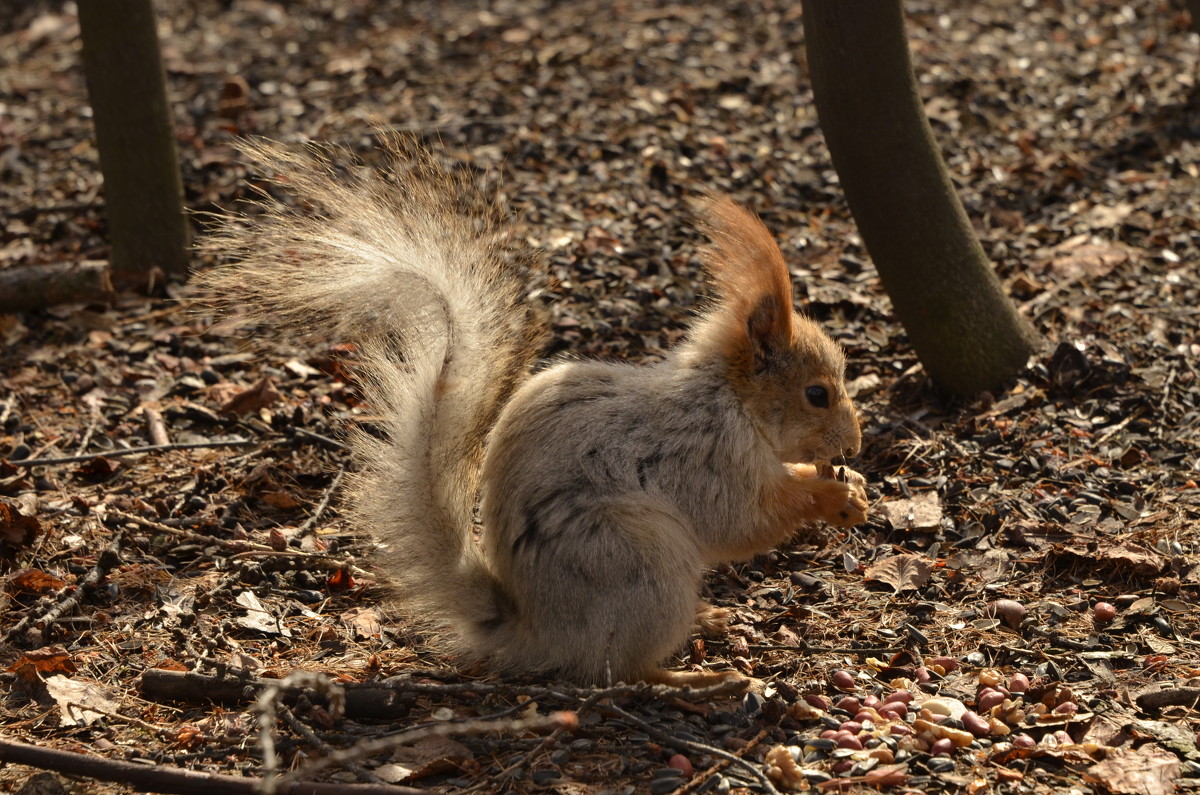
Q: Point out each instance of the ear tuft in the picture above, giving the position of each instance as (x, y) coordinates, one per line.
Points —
(748, 269)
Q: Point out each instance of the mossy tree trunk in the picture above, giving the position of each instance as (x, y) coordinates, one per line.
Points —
(143, 190)
(965, 330)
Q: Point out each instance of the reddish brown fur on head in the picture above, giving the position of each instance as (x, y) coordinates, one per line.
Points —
(748, 270)
(773, 356)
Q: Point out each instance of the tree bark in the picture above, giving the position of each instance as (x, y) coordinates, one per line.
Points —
(143, 190)
(965, 330)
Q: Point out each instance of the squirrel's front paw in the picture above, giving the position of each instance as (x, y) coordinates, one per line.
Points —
(841, 503)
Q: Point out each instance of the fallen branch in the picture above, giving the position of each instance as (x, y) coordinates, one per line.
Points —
(1169, 697)
(68, 597)
(311, 521)
(39, 286)
(681, 744)
(176, 781)
(362, 700)
(124, 451)
(365, 748)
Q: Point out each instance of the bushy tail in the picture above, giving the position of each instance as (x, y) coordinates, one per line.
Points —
(417, 264)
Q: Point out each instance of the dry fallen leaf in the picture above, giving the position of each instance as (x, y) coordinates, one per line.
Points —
(425, 758)
(1114, 559)
(75, 696)
(32, 581)
(1078, 258)
(259, 617)
(363, 621)
(902, 572)
(50, 660)
(921, 512)
(251, 400)
(17, 528)
(1147, 771)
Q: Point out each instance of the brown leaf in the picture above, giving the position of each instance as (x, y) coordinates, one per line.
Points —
(363, 621)
(1147, 771)
(902, 572)
(281, 500)
(921, 512)
(425, 758)
(1078, 258)
(33, 581)
(98, 469)
(1113, 558)
(50, 660)
(75, 696)
(251, 400)
(16, 529)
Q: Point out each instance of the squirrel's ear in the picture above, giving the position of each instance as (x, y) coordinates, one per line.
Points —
(750, 274)
(769, 325)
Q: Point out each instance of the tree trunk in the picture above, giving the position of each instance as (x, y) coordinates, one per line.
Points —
(965, 330)
(143, 190)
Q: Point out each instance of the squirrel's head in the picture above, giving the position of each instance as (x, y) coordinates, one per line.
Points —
(789, 374)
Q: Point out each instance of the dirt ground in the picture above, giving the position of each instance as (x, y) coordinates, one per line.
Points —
(1032, 551)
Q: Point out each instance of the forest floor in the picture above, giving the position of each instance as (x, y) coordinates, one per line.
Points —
(1039, 542)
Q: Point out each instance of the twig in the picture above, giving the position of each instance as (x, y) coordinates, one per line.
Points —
(68, 597)
(87, 435)
(312, 520)
(188, 535)
(268, 701)
(156, 427)
(325, 748)
(695, 747)
(174, 780)
(124, 451)
(721, 764)
(317, 437)
(361, 750)
(567, 692)
(241, 549)
(7, 409)
(492, 781)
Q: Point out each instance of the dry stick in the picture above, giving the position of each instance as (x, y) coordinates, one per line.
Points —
(156, 427)
(175, 781)
(312, 520)
(721, 764)
(242, 549)
(695, 747)
(317, 437)
(124, 451)
(268, 701)
(505, 774)
(325, 748)
(184, 534)
(566, 692)
(7, 409)
(87, 435)
(68, 597)
(361, 750)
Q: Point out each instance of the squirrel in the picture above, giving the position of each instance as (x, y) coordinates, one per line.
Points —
(604, 488)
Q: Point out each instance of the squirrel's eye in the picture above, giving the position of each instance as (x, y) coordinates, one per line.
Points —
(818, 396)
